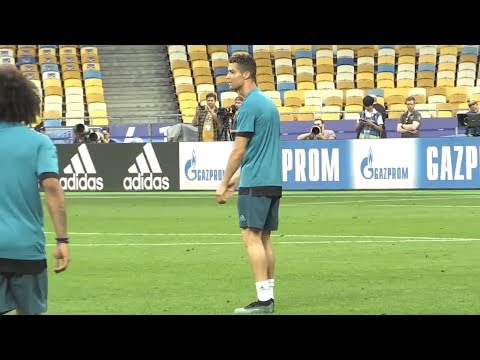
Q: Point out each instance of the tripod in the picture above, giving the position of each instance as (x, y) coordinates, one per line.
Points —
(225, 134)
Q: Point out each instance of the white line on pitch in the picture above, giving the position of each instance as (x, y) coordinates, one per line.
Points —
(320, 195)
(419, 198)
(412, 238)
(443, 240)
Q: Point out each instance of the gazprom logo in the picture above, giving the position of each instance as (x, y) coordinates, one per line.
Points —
(366, 165)
(194, 174)
(370, 172)
(190, 166)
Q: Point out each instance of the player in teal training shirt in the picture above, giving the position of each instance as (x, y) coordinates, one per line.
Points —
(255, 161)
(27, 158)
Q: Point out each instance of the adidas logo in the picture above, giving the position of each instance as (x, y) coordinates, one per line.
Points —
(243, 218)
(146, 163)
(81, 165)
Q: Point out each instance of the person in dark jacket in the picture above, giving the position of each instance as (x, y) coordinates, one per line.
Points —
(381, 109)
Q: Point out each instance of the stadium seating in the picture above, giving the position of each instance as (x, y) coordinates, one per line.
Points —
(68, 79)
(333, 79)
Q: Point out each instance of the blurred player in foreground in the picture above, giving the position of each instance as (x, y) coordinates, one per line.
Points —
(28, 158)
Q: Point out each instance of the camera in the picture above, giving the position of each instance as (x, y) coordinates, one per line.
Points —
(90, 135)
(81, 129)
(40, 128)
(223, 111)
(95, 137)
(226, 113)
(316, 130)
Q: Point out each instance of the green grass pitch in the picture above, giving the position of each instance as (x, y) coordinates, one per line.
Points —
(348, 252)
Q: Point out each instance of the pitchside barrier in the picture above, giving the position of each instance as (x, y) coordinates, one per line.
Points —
(433, 163)
(344, 129)
(119, 167)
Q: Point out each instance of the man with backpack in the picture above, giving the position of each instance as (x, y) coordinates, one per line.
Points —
(370, 124)
(381, 109)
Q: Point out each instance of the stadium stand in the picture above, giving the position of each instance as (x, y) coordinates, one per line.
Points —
(68, 79)
(333, 79)
(303, 80)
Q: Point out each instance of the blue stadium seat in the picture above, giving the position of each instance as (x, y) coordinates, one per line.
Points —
(220, 71)
(386, 68)
(52, 123)
(27, 60)
(345, 61)
(49, 67)
(222, 88)
(92, 74)
(303, 54)
(234, 48)
(377, 92)
(426, 67)
(467, 50)
(285, 86)
(48, 46)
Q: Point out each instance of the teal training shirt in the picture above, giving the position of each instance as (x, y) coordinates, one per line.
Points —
(258, 117)
(24, 156)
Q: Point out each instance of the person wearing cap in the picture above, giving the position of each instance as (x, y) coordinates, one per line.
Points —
(233, 128)
(106, 136)
(381, 109)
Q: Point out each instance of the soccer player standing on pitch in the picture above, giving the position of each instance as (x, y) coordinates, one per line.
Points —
(27, 158)
(256, 162)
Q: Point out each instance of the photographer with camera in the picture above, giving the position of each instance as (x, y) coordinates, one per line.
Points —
(318, 132)
(224, 117)
(206, 120)
(96, 137)
(106, 136)
(80, 132)
(85, 135)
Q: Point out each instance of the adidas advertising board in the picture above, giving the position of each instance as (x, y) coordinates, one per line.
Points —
(202, 164)
(119, 167)
(80, 173)
(146, 172)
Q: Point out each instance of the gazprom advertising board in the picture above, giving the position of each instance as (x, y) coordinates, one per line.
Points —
(305, 165)
(449, 163)
(315, 165)
(383, 164)
(202, 164)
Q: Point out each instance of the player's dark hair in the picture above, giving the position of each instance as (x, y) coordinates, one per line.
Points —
(246, 63)
(19, 100)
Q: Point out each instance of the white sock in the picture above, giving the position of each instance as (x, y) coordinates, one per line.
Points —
(271, 282)
(264, 293)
